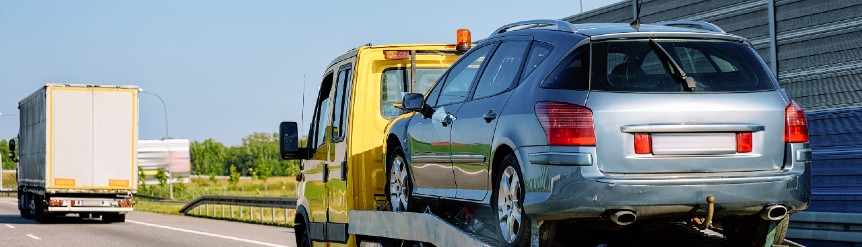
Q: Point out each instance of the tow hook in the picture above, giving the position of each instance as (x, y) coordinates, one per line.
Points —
(710, 210)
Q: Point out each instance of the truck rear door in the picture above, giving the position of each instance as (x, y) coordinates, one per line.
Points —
(92, 138)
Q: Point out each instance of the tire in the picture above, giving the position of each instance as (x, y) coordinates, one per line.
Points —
(507, 202)
(399, 186)
(109, 218)
(754, 231)
(302, 237)
(41, 215)
(22, 200)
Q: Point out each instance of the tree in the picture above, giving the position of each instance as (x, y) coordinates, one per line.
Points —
(162, 177)
(234, 176)
(208, 157)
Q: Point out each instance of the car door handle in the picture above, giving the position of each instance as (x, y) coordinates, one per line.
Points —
(490, 116)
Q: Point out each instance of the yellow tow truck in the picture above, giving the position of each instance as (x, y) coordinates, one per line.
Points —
(343, 163)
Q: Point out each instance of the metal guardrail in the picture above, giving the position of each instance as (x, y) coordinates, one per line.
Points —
(285, 203)
(826, 226)
(8, 191)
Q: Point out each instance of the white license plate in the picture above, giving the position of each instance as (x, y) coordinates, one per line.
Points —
(693, 143)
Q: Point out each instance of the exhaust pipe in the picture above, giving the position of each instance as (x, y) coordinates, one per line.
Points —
(773, 212)
(623, 217)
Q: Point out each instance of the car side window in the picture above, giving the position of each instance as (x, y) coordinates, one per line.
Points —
(322, 114)
(342, 96)
(502, 69)
(538, 53)
(573, 72)
(461, 77)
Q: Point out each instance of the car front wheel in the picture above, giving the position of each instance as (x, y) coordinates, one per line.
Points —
(399, 187)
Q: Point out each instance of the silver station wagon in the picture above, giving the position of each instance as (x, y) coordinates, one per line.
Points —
(568, 128)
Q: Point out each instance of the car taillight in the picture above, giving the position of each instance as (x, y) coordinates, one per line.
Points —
(643, 143)
(743, 142)
(55, 203)
(795, 125)
(567, 124)
(125, 203)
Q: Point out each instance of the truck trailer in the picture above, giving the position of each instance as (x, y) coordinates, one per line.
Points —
(77, 152)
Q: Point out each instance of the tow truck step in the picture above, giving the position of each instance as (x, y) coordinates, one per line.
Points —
(420, 227)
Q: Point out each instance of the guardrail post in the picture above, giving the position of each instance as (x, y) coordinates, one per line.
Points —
(207, 207)
(286, 216)
(273, 215)
(231, 211)
(240, 213)
(222, 211)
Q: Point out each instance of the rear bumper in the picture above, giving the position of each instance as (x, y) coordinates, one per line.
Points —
(582, 191)
(89, 209)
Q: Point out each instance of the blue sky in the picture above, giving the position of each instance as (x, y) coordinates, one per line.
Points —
(224, 68)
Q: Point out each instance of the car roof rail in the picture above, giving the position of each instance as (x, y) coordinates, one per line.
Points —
(560, 25)
(692, 24)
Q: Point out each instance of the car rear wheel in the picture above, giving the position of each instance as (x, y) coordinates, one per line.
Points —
(399, 187)
(514, 226)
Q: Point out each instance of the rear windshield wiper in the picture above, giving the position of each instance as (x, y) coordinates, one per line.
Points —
(665, 57)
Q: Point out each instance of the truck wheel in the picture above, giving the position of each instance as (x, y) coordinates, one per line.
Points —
(399, 188)
(41, 215)
(754, 231)
(507, 202)
(22, 206)
(108, 218)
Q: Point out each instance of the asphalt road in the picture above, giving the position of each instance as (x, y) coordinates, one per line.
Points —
(140, 229)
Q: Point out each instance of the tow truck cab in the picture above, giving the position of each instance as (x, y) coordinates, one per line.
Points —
(342, 161)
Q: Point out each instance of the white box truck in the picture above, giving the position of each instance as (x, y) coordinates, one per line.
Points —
(77, 152)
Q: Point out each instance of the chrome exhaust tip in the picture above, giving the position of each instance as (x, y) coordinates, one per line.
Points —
(623, 217)
(773, 212)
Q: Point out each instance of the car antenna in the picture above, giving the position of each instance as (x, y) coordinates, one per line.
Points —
(302, 112)
(636, 10)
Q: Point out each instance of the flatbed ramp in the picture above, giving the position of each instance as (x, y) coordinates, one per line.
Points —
(420, 227)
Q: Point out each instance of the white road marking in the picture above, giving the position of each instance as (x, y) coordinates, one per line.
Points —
(10, 226)
(207, 234)
(33, 237)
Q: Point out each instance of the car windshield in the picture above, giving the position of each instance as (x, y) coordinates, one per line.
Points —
(717, 66)
(396, 83)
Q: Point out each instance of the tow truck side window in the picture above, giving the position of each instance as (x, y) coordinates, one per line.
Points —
(321, 115)
(342, 96)
(396, 83)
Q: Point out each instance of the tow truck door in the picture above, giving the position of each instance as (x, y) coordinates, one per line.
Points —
(315, 167)
(336, 179)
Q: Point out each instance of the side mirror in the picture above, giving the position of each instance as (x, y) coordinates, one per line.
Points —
(413, 102)
(288, 139)
(12, 146)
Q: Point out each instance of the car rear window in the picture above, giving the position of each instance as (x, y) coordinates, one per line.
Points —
(716, 66)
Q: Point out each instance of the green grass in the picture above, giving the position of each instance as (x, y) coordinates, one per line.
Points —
(158, 207)
(10, 180)
(274, 187)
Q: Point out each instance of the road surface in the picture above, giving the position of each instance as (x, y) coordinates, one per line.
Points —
(140, 229)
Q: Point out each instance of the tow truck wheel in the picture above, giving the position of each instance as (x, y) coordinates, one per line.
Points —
(301, 231)
(507, 202)
(399, 187)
